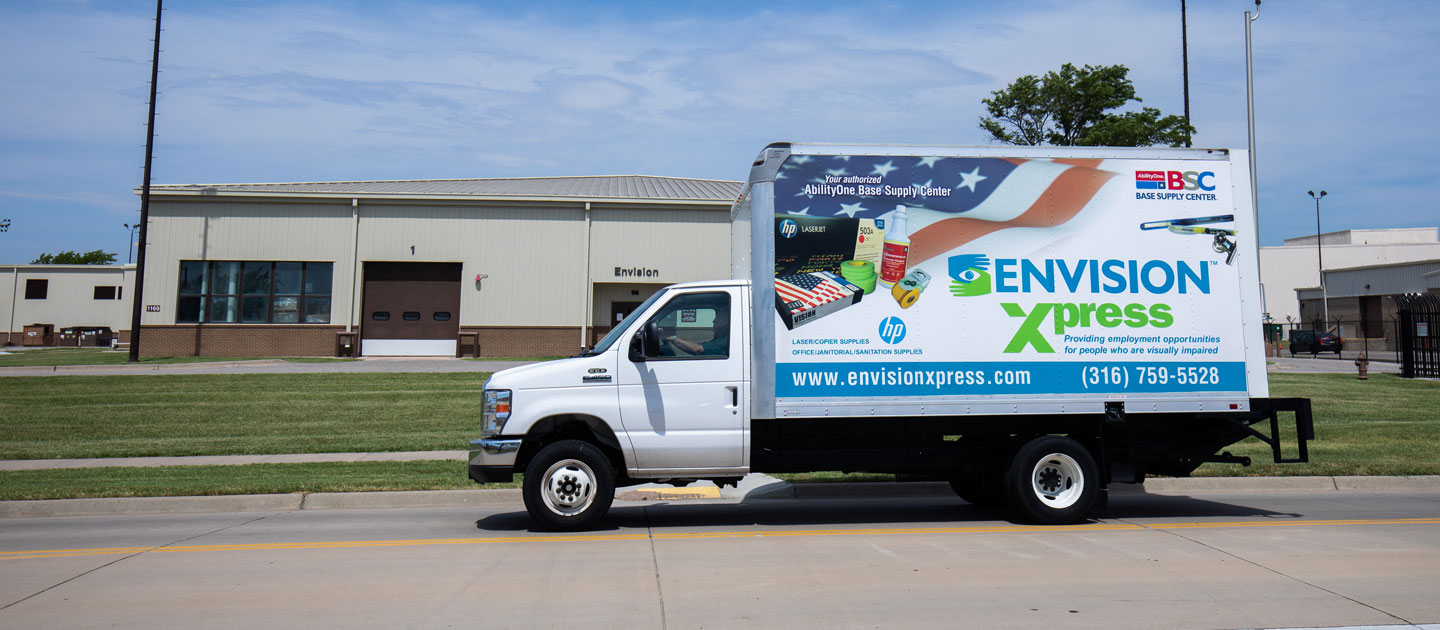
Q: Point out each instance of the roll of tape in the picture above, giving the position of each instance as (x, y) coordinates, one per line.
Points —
(857, 269)
(860, 273)
(910, 297)
(897, 291)
(866, 284)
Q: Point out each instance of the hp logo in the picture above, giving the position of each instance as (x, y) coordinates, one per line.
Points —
(892, 330)
(788, 228)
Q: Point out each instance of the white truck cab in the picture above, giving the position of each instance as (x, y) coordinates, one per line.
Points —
(663, 393)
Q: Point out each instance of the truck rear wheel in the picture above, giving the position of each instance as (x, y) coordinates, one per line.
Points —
(568, 486)
(1053, 480)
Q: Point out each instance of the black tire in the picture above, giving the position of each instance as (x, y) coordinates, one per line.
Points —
(568, 486)
(976, 492)
(1053, 480)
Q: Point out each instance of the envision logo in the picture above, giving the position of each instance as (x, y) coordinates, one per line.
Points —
(892, 330)
(969, 276)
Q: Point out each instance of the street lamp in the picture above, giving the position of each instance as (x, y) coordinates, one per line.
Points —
(130, 250)
(1250, 123)
(1320, 258)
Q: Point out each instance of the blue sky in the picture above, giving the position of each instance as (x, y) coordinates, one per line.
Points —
(320, 91)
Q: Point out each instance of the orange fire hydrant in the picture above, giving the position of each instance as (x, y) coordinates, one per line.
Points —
(1362, 365)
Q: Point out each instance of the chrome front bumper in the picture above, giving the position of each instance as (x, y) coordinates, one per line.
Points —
(492, 460)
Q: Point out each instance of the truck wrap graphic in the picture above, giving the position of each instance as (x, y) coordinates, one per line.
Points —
(1042, 280)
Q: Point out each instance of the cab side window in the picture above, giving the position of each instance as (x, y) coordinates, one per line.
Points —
(695, 325)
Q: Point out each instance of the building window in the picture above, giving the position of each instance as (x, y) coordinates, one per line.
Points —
(107, 293)
(254, 292)
(37, 288)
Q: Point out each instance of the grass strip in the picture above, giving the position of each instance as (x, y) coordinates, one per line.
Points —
(237, 414)
(1383, 426)
(1386, 425)
(51, 357)
(175, 481)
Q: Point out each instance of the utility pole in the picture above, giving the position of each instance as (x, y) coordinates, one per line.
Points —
(1185, 66)
(138, 295)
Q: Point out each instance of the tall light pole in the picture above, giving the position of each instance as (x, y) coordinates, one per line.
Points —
(1250, 118)
(1185, 66)
(130, 249)
(1320, 259)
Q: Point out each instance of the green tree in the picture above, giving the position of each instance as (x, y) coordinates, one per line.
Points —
(97, 257)
(1073, 107)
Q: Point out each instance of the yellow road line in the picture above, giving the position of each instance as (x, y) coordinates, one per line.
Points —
(977, 529)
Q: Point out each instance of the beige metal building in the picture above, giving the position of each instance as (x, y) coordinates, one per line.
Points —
(532, 266)
(64, 296)
(1295, 265)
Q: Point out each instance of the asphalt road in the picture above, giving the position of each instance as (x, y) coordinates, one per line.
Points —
(1222, 560)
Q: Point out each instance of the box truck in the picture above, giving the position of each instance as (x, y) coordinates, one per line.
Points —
(1028, 324)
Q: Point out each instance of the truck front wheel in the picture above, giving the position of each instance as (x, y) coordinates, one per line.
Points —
(568, 486)
(1053, 480)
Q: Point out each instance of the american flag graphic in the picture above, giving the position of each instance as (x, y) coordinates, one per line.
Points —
(805, 297)
(953, 200)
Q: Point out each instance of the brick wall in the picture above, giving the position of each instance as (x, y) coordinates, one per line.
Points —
(528, 341)
(238, 340)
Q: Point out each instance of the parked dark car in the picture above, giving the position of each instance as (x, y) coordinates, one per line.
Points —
(1314, 342)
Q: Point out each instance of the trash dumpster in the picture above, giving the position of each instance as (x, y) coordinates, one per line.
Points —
(95, 336)
(39, 335)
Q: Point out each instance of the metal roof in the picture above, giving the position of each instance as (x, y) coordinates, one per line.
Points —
(604, 187)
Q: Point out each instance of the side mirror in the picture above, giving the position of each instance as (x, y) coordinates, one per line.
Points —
(637, 347)
(651, 339)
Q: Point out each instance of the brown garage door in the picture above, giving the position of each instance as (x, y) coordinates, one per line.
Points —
(410, 309)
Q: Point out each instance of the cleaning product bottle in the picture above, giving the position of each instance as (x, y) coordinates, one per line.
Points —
(896, 250)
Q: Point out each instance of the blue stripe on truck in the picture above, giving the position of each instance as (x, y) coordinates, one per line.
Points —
(980, 378)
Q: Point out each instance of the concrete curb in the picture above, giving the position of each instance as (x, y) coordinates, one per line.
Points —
(230, 460)
(778, 490)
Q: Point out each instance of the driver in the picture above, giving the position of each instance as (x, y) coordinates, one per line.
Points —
(719, 344)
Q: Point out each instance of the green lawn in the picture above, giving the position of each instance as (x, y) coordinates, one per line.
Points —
(236, 414)
(1383, 426)
(250, 479)
(103, 356)
(1386, 425)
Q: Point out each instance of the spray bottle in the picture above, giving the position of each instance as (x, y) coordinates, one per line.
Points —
(897, 249)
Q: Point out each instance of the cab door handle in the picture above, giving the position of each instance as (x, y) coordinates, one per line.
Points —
(734, 395)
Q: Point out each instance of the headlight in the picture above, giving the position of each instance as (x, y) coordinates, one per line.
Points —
(494, 411)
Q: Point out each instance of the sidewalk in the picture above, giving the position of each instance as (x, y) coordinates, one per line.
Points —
(752, 487)
(229, 460)
(1282, 364)
(271, 366)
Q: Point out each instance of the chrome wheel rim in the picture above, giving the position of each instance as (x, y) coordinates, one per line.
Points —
(1057, 481)
(569, 487)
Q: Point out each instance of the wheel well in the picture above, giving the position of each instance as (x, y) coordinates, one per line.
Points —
(571, 427)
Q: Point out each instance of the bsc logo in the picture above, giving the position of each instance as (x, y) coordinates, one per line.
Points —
(969, 276)
(1173, 180)
(788, 228)
(892, 330)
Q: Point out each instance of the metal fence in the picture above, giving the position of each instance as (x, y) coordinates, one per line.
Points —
(1419, 322)
(1377, 340)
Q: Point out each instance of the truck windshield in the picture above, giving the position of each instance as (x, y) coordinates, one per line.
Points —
(621, 327)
